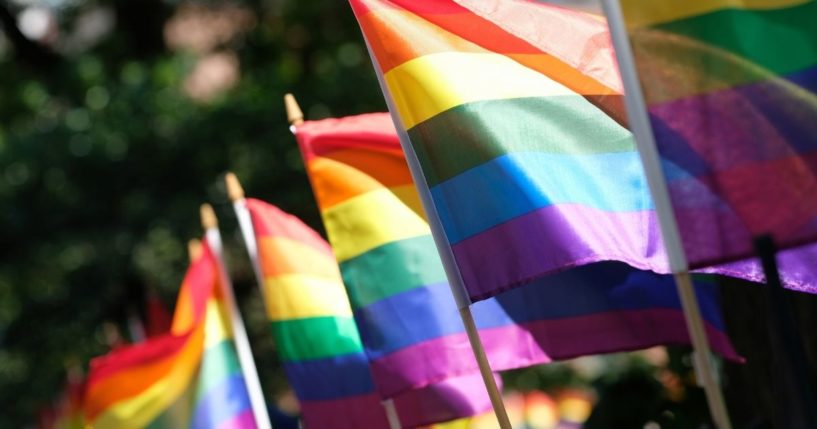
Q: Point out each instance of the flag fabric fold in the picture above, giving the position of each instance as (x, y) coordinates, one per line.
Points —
(401, 300)
(513, 111)
(172, 378)
(731, 90)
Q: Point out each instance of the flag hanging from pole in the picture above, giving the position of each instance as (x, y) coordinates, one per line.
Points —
(190, 372)
(513, 110)
(315, 334)
(398, 291)
(731, 91)
(318, 340)
(221, 399)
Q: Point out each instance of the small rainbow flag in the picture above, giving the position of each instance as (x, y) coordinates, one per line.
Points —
(312, 324)
(731, 90)
(188, 376)
(318, 339)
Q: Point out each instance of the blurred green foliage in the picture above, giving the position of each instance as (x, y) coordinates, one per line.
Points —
(104, 161)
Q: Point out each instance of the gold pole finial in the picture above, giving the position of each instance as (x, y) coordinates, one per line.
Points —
(208, 217)
(234, 189)
(194, 249)
(294, 114)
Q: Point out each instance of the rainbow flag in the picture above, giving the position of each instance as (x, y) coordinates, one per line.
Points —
(513, 110)
(731, 89)
(407, 317)
(312, 324)
(220, 399)
(318, 339)
(188, 376)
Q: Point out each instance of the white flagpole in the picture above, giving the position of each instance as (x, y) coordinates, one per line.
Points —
(242, 343)
(236, 194)
(391, 414)
(645, 140)
(452, 272)
(135, 327)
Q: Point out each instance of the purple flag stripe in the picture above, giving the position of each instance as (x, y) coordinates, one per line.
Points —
(351, 412)
(440, 401)
(571, 235)
(576, 336)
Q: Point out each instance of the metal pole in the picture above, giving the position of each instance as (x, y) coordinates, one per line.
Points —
(645, 141)
(242, 343)
(236, 194)
(391, 414)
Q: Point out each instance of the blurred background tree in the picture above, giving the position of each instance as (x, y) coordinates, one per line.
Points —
(119, 118)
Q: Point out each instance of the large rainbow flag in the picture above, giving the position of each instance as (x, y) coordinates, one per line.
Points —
(187, 377)
(731, 89)
(400, 297)
(318, 340)
(513, 110)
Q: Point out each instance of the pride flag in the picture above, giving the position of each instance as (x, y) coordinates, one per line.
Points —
(318, 339)
(407, 317)
(188, 376)
(315, 334)
(513, 110)
(731, 90)
(220, 399)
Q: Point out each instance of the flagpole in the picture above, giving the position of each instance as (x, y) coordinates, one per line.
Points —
(236, 193)
(645, 141)
(135, 326)
(391, 414)
(242, 343)
(452, 272)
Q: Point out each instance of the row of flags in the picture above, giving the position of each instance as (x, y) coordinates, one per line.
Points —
(512, 173)
(343, 359)
(332, 368)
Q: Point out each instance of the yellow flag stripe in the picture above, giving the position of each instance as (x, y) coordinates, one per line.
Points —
(368, 221)
(431, 84)
(409, 196)
(216, 324)
(299, 296)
